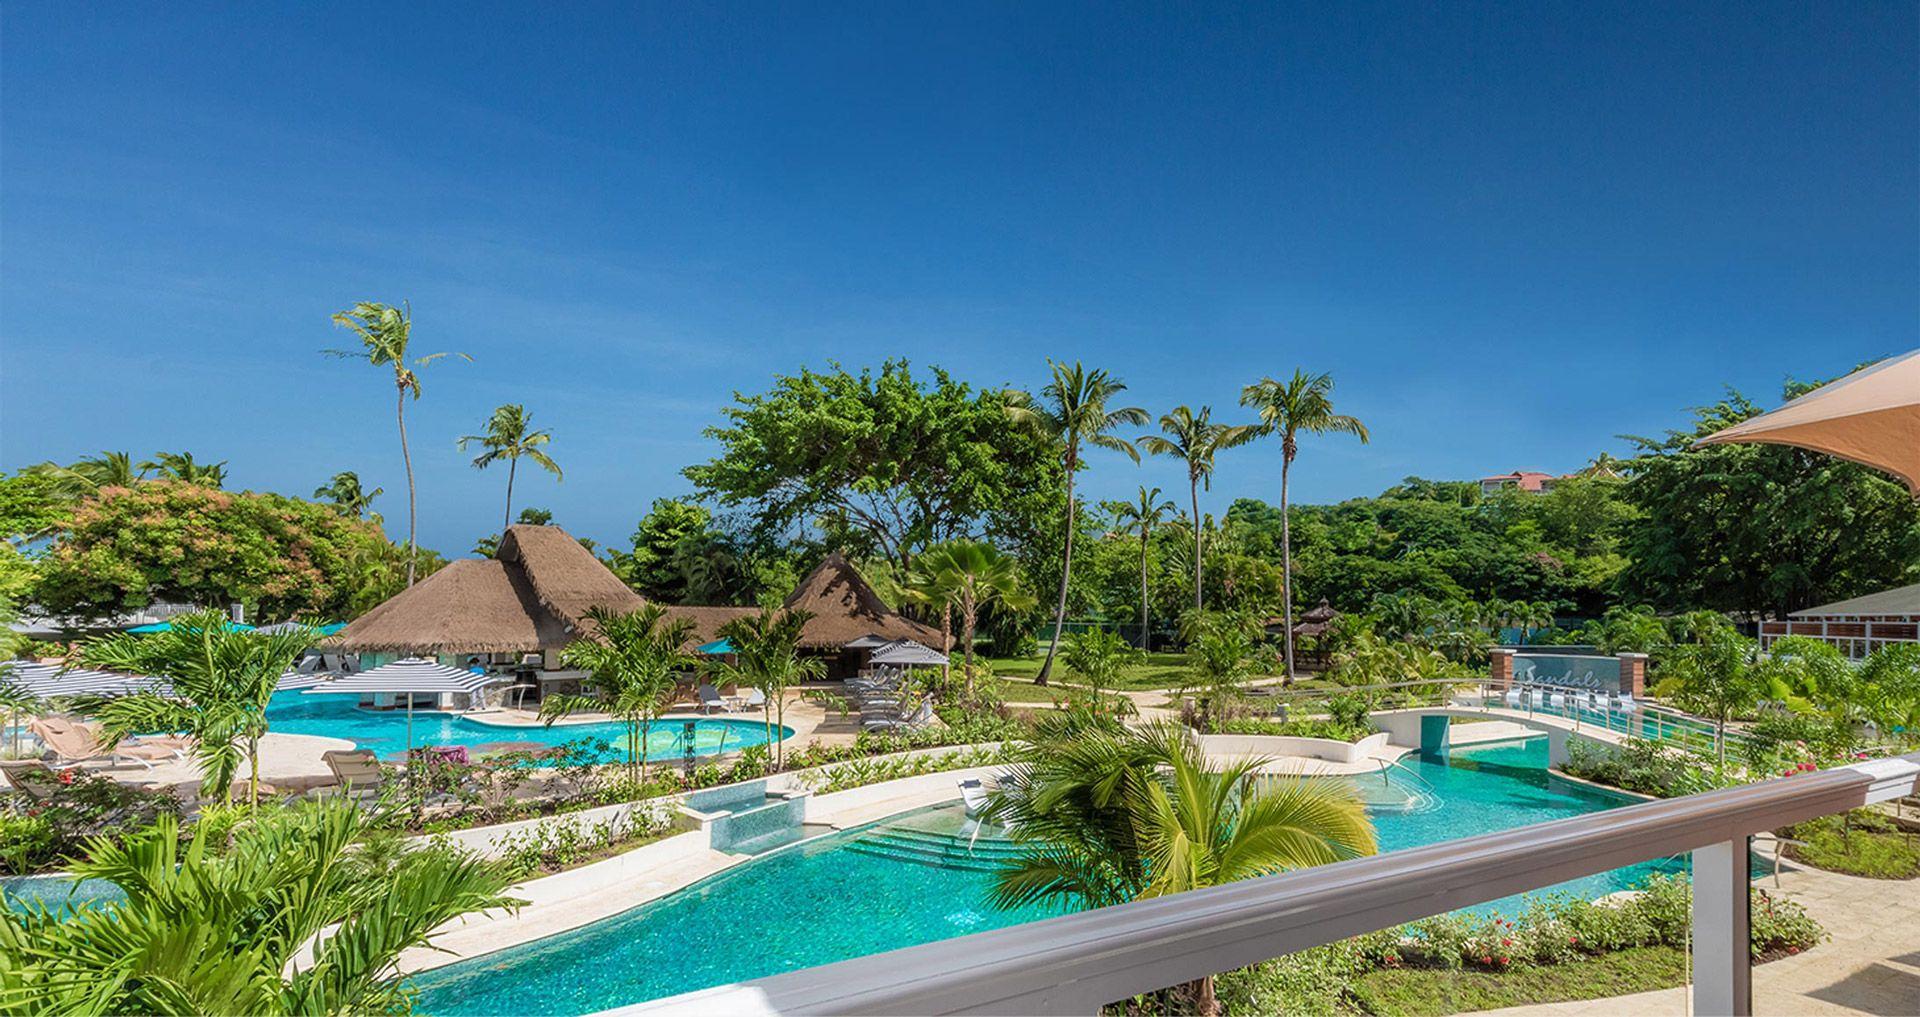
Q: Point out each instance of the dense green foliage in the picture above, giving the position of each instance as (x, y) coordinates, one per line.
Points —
(633, 663)
(126, 547)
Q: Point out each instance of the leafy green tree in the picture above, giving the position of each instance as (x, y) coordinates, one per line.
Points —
(1141, 518)
(679, 556)
(510, 437)
(221, 679)
(1760, 529)
(633, 661)
(385, 334)
(33, 506)
(182, 467)
(1223, 653)
(347, 495)
(1889, 687)
(216, 927)
(1303, 404)
(767, 657)
(880, 464)
(973, 574)
(1071, 413)
(1102, 818)
(129, 546)
(85, 476)
(1197, 441)
(1098, 656)
(1715, 676)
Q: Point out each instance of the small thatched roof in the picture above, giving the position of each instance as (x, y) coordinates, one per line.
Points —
(474, 605)
(844, 608)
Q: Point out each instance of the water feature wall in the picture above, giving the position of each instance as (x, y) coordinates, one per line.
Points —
(748, 818)
(1572, 670)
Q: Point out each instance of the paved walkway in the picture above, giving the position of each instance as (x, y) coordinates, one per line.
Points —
(1870, 966)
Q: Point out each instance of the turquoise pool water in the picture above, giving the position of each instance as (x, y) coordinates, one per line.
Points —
(914, 879)
(60, 893)
(385, 731)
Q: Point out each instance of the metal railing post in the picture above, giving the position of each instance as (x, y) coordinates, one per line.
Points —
(1722, 930)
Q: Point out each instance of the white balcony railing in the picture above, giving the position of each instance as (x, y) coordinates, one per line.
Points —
(1077, 963)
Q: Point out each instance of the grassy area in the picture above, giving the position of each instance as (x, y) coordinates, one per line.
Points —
(1435, 991)
(1862, 843)
(1022, 691)
(1157, 671)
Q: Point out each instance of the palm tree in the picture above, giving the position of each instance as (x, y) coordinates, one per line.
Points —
(385, 332)
(1142, 517)
(974, 573)
(1103, 817)
(347, 495)
(1195, 439)
(930, 583)
(1071, 412)
(1302, 404)
(175, 466)
(281, 915)
(221, 679)
(766, 656)
(509, 438)
(633, 661)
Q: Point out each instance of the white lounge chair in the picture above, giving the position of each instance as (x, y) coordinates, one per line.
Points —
(752, 698)
(711, 699)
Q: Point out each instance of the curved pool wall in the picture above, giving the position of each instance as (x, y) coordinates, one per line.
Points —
(385, 731)
(916, 878)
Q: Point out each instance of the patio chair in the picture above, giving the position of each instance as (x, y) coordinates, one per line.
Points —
(73, 744)
(711, 699)
(32, 776)
(356, 771)
(1513, 697)
(973, 795)
(752, 698)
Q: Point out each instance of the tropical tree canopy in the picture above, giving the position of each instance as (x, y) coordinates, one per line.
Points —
(347, 495)
(633, 662)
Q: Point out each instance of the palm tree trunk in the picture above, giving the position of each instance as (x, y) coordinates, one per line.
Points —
(1193, 484)
(253, 774)
(946, 640)
(406, 457)
(969, 613)
(507, 520)
(1286, 561)
(1066, 571)
(1145, 629)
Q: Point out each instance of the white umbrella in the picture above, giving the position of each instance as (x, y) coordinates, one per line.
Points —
(407, 677)
(293, 680)
(869, 641)
(908, 652)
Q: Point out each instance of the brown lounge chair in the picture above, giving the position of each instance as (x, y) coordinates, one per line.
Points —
(73, 744)
(357, 771)
(32, 776)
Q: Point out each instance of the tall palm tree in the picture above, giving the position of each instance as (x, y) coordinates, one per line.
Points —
(974, 573)
(633, 661)
(349, 498)
(1195, 439)
(231, 920)
(220, 679)
(1072, 412)
(1142, 517)
(1303, 404)
(510, 437)
(179, 466)
(109, 469)
(385, 332)
(767, 657)
(1103, 817)
(930, 583)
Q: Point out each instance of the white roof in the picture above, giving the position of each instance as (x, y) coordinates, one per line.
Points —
(413, 674)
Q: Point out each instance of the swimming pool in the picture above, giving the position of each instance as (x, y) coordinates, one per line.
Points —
(385, 731)
(913, 879)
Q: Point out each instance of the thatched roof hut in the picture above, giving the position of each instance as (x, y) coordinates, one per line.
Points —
(844, 608)
(537, 595)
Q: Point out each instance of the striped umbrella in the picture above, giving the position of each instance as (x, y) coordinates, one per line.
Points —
(47, 681)
(296, 680)
(407, 677)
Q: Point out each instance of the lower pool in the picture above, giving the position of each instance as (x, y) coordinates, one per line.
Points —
(385, 731)
(57, 893)
(917, 878)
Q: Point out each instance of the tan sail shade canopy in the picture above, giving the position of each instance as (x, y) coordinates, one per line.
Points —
(1871, 416)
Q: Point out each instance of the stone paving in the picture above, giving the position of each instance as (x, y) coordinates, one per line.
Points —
(1870, 966)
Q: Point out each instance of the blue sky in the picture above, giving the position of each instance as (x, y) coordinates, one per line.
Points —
(1510, 233)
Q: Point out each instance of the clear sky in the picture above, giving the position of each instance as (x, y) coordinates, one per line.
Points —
(1511, 232)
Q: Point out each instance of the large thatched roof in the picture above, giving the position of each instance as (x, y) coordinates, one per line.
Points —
(844, 608)
(537, 594)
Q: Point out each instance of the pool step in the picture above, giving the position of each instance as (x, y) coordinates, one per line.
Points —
(937, 850)
(981, 846)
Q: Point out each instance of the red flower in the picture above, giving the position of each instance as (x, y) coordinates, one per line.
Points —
(1793, 949)
(1506, 942)
(1484, 959)
(1573, 940)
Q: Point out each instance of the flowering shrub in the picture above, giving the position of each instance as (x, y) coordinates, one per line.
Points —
(37, 834)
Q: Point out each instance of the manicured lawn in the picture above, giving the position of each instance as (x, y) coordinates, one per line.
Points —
(1022, 691)
(1157, 671)
(1874, 847)
(1421, 992)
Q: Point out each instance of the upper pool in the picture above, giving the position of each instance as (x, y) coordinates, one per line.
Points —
(915, 879)
(385, 731)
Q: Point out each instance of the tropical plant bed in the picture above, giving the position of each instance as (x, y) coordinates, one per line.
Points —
(1864, 842)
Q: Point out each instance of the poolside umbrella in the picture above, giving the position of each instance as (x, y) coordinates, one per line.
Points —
(167, 626)
(48, 681)
(1871, 416)
(870, 641)
(717, 648)
(407, 677)
(289, 626)
(906, 652)
(298, 680)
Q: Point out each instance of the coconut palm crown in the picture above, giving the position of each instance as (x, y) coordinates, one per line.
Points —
(510, 436)
(1196, 440)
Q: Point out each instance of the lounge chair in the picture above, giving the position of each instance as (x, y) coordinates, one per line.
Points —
(1514, 697)
(356, 771)
(973, 794)
(711, 699)
(752, 698)
(890, 723)
(73, 744)
(32, 776)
